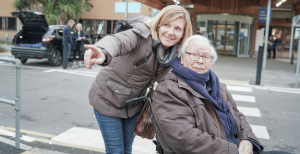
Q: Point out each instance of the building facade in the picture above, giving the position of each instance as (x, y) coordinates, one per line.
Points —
(233, 25)
(99, 21)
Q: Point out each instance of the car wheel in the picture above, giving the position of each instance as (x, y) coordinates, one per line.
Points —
(56, 58)
(23, 60)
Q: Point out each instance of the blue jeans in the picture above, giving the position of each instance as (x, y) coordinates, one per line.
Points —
(69, 49)
(118, 134)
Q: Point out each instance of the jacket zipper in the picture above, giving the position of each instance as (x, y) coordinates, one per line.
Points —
(141, 62)
(215, 119)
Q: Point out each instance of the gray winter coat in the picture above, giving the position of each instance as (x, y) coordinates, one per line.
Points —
(129, 67)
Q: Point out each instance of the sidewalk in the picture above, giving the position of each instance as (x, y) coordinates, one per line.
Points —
(278, 72)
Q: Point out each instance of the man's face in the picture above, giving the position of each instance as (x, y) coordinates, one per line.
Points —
(71, 25)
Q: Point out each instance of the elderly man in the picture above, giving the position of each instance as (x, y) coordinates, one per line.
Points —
(67, 32)
(194, 112)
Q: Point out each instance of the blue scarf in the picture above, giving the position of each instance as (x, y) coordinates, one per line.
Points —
(194, 80)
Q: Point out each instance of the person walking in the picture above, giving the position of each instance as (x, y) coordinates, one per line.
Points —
(77, 46)
(271, 47)
(67, 32)
(129, 56)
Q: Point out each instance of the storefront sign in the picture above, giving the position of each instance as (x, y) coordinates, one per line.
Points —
(262, 15)
(133, 7)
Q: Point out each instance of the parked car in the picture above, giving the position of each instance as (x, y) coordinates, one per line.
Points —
(38, 40)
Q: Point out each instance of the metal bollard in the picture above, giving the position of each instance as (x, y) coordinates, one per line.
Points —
(65, 52)
(292, 59)
(259, 65)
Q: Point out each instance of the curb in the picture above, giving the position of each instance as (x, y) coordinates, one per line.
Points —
(43, 138)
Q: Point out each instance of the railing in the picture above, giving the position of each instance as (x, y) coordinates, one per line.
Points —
(17, 101)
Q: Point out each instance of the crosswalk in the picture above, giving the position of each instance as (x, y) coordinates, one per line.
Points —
(260, 132)
(93, 138)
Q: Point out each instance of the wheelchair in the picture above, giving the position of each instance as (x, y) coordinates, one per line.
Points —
(133, 101)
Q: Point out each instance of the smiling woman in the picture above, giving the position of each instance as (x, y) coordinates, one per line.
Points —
(130, 56)
(170, 33)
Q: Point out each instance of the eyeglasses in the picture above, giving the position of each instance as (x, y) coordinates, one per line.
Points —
(195, 57)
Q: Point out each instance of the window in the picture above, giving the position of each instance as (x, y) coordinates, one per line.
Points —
(100, 26)
(114, 24)
(88, 26)
(0, 22)
(8, 23)
(108, 27)
(4, 23)
(11, 23)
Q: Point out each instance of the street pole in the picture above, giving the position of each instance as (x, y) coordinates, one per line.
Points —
(259, 64)
(18, 102)
(126, 9)
(292, 38)
(298, 63)
(65, 52)
(267, 34)
(176, 3)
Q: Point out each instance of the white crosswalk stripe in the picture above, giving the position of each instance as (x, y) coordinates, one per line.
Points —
(259, 131)
(249, 111)
(238, 88)
(244, 98)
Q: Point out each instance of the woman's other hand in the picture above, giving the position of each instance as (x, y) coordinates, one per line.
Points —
(245, 147)
(79, 38)
(93, 56)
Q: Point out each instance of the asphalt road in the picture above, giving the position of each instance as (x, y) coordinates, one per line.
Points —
(55, 100)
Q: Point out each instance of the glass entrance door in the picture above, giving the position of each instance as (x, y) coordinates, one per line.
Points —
(223, 35)
(243, 50)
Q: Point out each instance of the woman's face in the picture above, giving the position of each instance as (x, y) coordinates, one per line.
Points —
(170, 33)
(79, 28)
(199, 65)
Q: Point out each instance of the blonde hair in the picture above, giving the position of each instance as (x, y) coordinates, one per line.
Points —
(167, 15)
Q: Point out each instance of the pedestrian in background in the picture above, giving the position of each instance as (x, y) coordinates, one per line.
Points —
(77, 46)
(194, 112)
(271, 47)
(67, 32)
(199, 32)
(129, 57)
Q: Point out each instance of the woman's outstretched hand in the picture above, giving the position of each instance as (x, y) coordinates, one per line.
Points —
(245, 147)
(93, 56)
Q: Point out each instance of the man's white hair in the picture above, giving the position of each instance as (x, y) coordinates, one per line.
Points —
(71, 22)
(202, 41)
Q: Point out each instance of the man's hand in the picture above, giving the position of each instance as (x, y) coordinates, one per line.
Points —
(245, 147)
(93, 56)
